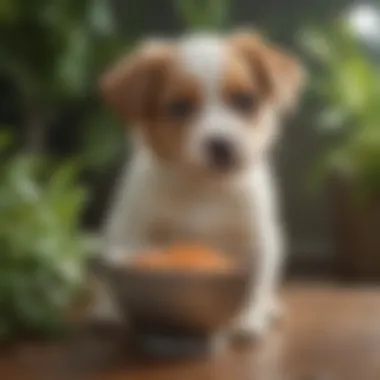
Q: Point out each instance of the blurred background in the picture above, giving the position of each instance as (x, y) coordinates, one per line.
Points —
(61, 150)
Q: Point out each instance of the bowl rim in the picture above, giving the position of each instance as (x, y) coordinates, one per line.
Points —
(170, 273)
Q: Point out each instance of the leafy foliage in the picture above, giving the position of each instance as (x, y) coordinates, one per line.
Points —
(349, 84)
(42, 251)
(203, 14)
(53, 52)
(52, 48)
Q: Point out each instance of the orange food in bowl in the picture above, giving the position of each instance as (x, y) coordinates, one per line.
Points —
(184, 257)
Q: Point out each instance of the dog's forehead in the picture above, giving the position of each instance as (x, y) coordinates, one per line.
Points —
(203, 57)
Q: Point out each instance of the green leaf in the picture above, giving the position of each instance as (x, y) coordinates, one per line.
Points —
(73, 67)
(5, 138)
(100, 17)
(349, 85)
(9, 11)
(43, 249)
(206, 14)
(104, 141)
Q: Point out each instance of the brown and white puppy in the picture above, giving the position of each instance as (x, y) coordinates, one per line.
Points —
(204, 113)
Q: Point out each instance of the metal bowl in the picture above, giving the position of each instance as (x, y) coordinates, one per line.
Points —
(198, 303)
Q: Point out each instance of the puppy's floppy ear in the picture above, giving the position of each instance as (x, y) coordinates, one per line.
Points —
(280, 74)
(131, 86)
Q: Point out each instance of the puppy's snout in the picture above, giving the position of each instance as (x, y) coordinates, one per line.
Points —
(221, 152)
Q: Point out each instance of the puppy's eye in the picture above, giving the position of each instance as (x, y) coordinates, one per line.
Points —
(180, 109)
(244, 102)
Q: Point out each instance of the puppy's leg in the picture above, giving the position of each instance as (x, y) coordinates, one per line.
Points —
(263, 305)
(103, 308)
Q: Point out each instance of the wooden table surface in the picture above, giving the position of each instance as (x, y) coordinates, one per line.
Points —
(329, 333)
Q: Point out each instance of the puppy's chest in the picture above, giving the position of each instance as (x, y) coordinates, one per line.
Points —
(221, 220)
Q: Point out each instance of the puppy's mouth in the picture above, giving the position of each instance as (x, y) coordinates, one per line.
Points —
(224, 166)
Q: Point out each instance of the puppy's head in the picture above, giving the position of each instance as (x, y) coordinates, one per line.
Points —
(207, 103)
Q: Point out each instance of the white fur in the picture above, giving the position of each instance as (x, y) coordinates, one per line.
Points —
(204, 58)
(237, 214)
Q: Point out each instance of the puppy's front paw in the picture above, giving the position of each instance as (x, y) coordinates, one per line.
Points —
(251, 326)
(256, 323)
(276, 310)
(102, 309)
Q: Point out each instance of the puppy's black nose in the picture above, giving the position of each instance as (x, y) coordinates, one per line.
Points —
(221, 153)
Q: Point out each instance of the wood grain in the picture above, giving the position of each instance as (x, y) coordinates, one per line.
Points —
(328, 333)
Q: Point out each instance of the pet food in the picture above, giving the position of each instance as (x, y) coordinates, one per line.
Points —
(184, 257)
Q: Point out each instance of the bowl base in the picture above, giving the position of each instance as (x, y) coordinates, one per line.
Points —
(164, 345)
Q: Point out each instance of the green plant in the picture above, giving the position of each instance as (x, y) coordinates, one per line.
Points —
(52, 53)
(348, 82)
(203, 14)
(42, 249)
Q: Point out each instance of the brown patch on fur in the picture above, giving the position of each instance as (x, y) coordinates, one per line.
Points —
(141, 87)
(279, 73)
(164, 133)
(132, 86)
(237, 77)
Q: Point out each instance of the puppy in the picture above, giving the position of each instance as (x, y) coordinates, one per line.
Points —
(204, 112)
